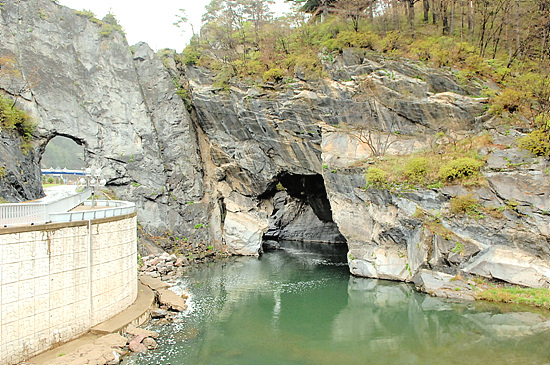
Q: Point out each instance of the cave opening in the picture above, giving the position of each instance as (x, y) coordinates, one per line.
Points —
(301, 212)
(62, 153)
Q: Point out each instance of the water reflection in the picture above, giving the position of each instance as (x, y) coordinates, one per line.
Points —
(397, 324)
(299, 305)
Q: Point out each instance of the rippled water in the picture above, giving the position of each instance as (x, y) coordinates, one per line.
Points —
(301, 306)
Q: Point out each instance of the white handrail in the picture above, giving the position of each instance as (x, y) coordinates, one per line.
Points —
(113, 208)
(37, 213)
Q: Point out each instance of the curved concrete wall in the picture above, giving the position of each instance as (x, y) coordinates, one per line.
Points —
(59, 280)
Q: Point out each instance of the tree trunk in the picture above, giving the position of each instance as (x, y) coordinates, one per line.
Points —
(497, 40)
(470, 18)
(395, 14)
(434, 13)
(462, 20)
(518, 36)
(426, 10)
(370, 11)
(453, 2)
(445, 17)
(411, 16)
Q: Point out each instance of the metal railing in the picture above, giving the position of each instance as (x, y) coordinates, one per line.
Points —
(113, 208)
(37, 213)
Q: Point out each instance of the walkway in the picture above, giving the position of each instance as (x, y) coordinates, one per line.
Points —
(136, 314)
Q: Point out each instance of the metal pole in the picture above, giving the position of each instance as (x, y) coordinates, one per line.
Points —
(90, 313)
(93, 195)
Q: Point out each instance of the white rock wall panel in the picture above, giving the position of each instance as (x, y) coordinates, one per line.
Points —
(45, 282)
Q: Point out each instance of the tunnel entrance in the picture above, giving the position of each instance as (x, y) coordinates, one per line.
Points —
(62, 153)
(302, 211)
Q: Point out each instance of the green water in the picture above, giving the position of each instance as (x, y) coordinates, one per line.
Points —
(301, 306)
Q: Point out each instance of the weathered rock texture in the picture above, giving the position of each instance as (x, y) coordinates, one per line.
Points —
(122, 107)
(214, 175)
(20, 180)
(396, 235)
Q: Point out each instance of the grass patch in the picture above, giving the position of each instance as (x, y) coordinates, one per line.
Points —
(376, 176)
(535, 297)
(453, 162)
(464, 204)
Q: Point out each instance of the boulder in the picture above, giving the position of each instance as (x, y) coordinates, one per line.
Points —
(150, 343)
(136, 344)
(135, 331)
(511, 265)
(158, 313)
(442, 285)
(171, 300)
(243, 232)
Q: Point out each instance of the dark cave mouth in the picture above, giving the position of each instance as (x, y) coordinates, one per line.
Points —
(301, 212)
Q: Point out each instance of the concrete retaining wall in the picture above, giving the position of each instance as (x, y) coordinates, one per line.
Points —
(59, 280)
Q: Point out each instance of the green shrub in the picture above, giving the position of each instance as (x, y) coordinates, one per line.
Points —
(85, 13)
(249, 68)
(393, 43)
(542, 121)
(416, 168)
(463, 204)
(224, 77)
(376, 176)
(508, 100)
(347, 39)
(109, 24)
(307, 61)
(274, 74)
(537, 142)
(460, 168)
(190, 55)
(13, 118)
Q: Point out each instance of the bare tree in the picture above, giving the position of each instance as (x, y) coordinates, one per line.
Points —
(411, 13)
(354, 10)
(182, 20)
(377, 141)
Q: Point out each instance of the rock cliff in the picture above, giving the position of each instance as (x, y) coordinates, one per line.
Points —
(277, 161)
(121, 107)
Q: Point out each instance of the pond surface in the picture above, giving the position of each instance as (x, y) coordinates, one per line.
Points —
(300, 305)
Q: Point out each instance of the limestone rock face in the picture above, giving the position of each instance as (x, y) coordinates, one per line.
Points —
(122, 108)
(508, 264)
(399, 235)
(295, 220)
(20, 180)
(210, 171)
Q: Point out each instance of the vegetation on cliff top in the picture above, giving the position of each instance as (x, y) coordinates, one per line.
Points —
(447, 161)
(108, 24)
(505, 41)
